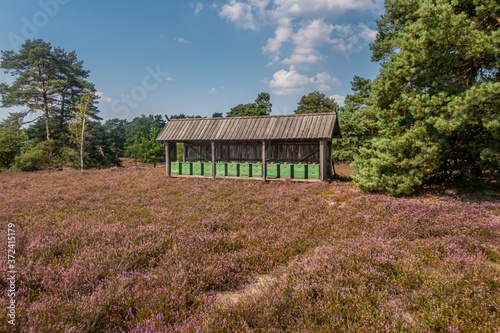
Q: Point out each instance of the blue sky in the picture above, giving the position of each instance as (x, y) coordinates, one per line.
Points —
(201, 57)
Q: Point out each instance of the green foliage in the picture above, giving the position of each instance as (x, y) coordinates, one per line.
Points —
(436, 100)
(183, 116)
(316, 102)
(261, 107)
(355, 124)
(115, 130)
(180, 151)
(140, 128)
(217, 115)
(11, 140)
(141, 144)
(151, 148)
(99, 152)
(36, 156)
(135, 152)
(11, 143)
(178, 116)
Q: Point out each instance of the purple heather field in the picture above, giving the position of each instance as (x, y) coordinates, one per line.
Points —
(124, 250)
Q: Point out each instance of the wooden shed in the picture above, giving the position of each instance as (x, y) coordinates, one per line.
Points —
(300, 146)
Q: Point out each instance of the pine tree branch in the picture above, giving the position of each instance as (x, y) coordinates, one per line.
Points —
(28, 122)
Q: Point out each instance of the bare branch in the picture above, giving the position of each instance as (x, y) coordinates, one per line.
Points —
(28, 122)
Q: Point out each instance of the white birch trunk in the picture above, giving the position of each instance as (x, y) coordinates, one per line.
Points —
(81, 145)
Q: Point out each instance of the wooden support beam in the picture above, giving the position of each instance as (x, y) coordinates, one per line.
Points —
(264, 171)
(331, 169)
(167, 158)
(213, 160)
(322, 160)
(184, 152)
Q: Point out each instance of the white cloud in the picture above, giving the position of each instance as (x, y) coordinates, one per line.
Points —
(310, 37)
(288, 82)
(198, 8)
(324, 7)
(314, 34)
(367, 33)
(282, 34)
(303, 56)
(103, 98)
(181, 40)
(323, 80)
(305, 43)
(305, 33)
(353, 39)
(292, 82)
(252, 14)
(214, 90)
(240, 13)
(339, 99)
(169, 78)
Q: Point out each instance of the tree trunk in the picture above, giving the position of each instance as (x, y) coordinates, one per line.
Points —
(47, 125)
(46, 111)
(63, 102)
(81, 146)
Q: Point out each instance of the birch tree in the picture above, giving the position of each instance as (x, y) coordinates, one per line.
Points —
(80, 119)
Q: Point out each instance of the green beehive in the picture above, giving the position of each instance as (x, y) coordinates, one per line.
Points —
(187, 168)
(313, 171)
(245, 170)
(198, 168)
(207, 169)
(273, 171)
(175, 168)
(286, 171)
(300, 171)
(256, 170)
(221, 169)
(233, 169)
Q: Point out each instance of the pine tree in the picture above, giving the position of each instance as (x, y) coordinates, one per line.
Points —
(436, 100)
(316, 102)
(261, 107)
(355, 123)
(48, 81)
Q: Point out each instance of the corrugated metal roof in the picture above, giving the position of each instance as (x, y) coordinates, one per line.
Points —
(285, 127)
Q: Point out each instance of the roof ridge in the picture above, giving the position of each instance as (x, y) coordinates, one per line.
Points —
(253, 117)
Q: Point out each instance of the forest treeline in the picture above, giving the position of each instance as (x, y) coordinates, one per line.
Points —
(432, 114)
(61, 126)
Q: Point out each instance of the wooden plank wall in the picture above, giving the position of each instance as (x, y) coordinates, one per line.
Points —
(279, 152)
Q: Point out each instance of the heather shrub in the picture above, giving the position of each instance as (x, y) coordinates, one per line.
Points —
(130, 250)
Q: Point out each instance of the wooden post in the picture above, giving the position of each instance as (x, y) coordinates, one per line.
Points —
(184, 152)
(264, 171)
(213, 160)
(167, 158)
(330, 159)
(324, 159)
